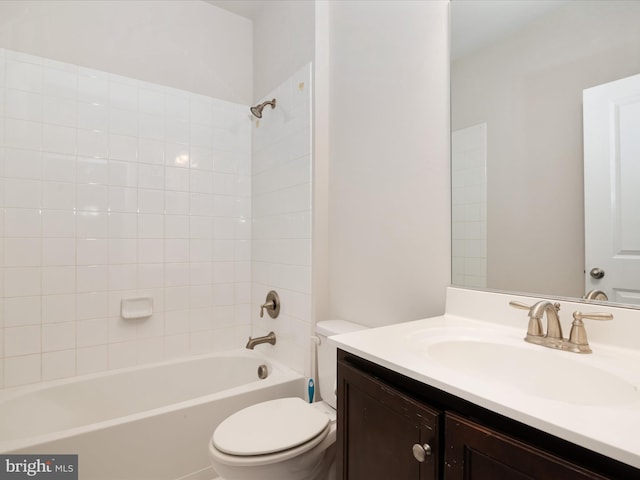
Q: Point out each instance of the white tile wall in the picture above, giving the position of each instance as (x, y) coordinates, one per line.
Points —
(281, 210)
(469, 206)
(112, 187)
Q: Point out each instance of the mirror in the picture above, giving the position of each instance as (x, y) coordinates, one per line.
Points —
(518, 71)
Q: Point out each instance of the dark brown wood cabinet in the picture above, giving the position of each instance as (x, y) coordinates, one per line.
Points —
(381, 429)
(475, 452)
(383, 417)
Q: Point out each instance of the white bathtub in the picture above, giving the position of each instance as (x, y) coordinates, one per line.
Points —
(144, 423)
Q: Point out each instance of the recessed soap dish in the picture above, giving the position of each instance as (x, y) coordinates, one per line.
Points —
(136, 307)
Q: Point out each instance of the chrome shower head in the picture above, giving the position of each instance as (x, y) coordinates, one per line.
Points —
(257, 110)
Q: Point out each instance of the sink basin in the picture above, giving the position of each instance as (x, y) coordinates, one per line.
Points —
(537, 371)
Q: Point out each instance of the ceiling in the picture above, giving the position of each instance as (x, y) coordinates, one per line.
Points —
(476, 24)
(245, 8)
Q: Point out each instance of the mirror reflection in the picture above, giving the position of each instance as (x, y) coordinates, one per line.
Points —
(528, 214)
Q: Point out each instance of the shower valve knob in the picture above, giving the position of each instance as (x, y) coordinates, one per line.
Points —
(272, 305)
(268, 306)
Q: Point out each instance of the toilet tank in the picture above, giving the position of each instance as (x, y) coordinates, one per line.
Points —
(327, 356)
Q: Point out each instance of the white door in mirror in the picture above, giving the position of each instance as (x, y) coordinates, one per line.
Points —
(611, 119)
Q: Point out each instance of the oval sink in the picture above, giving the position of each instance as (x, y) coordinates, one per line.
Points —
(545, 373)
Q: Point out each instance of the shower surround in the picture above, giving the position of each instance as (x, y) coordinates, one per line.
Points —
(282, 211)
(112, 187)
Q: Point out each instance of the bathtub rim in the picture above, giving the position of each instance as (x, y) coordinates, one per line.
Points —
(278, 373)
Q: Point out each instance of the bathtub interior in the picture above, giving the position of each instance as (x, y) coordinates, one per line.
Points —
(99, 398)
(164, 438)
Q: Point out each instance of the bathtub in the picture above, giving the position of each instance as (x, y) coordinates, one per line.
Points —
(143, 423)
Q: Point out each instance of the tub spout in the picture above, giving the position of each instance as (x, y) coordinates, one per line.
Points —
(270, 338)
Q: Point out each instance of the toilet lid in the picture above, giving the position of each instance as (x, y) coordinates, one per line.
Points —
(269, 427)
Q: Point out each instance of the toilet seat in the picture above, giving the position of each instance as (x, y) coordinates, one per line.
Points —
(271, 427)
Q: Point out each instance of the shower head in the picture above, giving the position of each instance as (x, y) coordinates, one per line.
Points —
(257, 110)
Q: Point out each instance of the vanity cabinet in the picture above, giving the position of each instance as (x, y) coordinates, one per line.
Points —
(383, 433)
(476, 452)
(383, 416)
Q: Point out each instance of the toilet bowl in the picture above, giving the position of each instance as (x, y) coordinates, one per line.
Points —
(283, 439)
(286, 438)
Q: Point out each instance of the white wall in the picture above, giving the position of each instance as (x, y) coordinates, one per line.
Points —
(186, 44)
(396, 51)
(320, 200)
(283, 42)
(389, 207)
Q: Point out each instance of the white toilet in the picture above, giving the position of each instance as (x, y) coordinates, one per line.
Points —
(286, 438)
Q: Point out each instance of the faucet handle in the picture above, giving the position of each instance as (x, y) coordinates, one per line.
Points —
(534, 329)
(270, 305)
(578, 335)
(578, 316)
(520, 305)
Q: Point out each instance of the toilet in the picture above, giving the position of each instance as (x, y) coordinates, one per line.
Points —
(286, 438)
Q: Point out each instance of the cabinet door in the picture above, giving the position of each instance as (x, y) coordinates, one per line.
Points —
(474, 452)
(378, 429)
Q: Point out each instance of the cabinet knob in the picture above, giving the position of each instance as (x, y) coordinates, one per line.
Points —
(421, 452)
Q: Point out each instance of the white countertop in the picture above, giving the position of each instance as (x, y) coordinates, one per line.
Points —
(596, 421)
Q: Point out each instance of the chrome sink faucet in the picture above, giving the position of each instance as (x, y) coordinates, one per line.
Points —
(577, 341)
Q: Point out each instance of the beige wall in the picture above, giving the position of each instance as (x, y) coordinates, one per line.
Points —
(388, 204)
(186, 44)
(528, 89)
